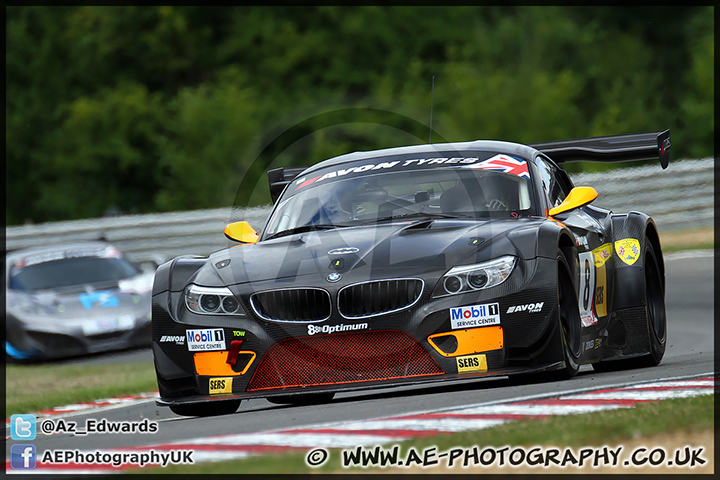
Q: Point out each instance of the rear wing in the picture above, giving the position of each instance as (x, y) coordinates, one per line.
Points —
(280, 177)
(612, 148)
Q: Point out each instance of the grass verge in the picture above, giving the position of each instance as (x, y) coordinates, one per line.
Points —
(67, 384)
(698, 239)
(678, 416)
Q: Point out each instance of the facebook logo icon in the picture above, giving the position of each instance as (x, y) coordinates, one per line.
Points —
(23, 427)
(23, 457)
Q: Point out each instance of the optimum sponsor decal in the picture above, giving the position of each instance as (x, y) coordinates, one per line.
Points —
(475, 316)
(205, 340)
(313, 329)
(530, 307)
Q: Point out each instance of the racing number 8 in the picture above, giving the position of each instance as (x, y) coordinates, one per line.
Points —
(587, 286)
(586, 292)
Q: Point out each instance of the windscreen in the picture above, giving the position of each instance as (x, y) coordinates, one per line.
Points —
(65, 272)
(479, 185)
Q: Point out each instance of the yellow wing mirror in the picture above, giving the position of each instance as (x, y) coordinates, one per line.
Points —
(241, 232)
(577, 197)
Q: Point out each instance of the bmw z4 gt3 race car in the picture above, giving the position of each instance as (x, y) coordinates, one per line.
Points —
(73, 299)
(415, 264)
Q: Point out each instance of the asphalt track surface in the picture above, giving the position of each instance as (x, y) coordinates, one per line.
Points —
(690, 351)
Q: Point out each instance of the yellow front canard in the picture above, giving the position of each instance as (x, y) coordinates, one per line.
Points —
(472, 363)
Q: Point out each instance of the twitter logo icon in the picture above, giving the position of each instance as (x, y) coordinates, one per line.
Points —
(23, 427)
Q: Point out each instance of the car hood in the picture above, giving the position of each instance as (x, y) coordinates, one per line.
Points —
(131, 296)
(366, 252)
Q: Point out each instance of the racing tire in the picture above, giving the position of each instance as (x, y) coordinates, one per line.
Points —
(656, 318)
(206, 409)
(569, 318)
(303, 399)
(570, 330)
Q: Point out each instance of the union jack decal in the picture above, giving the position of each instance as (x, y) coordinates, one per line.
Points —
(505, 164)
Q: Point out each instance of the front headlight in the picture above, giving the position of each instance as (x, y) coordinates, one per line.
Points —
(212, 301)
(468, 278)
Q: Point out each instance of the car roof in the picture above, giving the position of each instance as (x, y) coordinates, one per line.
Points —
(479, 145)
(59, 247)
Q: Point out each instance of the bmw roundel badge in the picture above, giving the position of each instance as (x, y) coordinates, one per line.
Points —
(333, 277)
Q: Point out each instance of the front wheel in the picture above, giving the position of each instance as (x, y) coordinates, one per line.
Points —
(569, 324)
(655, 314)
(569, 318)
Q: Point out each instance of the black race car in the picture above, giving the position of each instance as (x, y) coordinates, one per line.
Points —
(73, 299)
(415, 264)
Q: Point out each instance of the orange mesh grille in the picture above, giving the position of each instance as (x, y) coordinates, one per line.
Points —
(342, 358)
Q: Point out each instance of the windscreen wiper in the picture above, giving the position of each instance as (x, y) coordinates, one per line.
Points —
(421, 214)
(303, 228)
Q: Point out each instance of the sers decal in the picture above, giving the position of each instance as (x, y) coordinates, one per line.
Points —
(472, 363)
(220, 385)
(628, 249)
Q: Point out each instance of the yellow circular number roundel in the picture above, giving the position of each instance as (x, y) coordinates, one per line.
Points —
(628, 249)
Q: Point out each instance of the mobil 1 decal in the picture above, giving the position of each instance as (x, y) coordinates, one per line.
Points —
(205, 340)
(475, 316)
(587, 289)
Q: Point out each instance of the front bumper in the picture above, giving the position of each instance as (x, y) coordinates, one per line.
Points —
(414, 345)
(33, 342)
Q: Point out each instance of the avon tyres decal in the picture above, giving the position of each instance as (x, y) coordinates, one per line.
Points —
(628, 249)
(500, 163)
